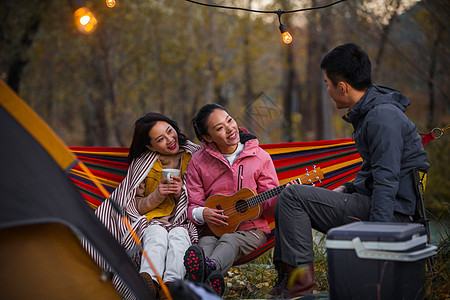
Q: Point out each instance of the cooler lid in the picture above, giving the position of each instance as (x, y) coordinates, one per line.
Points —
(378, 235)
(382, 241)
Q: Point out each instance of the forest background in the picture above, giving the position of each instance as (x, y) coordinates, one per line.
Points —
(173, 56)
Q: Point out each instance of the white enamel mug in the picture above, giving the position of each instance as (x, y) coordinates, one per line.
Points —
(170, 172)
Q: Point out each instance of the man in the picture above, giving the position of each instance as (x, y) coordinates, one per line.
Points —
(383, 189)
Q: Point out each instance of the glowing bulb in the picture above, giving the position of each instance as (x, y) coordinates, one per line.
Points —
(85, 20)
(110, 3)
(287, 37)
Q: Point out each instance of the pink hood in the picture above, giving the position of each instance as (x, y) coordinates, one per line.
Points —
(209, 173)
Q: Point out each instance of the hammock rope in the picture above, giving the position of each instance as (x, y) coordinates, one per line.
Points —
(428, 137)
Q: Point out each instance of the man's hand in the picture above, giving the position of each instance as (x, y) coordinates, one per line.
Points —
(292, 182)
(341, 189)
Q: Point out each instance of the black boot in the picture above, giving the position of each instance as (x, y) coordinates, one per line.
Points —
(198, 266)
(195, 265)
(281, 282)
(217, 283)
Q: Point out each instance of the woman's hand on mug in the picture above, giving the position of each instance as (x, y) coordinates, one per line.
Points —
(214, 217)
(172, 188)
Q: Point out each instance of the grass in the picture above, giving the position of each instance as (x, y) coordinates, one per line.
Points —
(437, 285)
(254, 280)
(250, 281)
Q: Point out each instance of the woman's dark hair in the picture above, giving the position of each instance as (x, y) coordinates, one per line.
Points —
(142, 127)
(349, 63)
(201, 117)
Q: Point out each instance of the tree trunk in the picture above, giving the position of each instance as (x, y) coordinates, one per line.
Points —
(94, 121)
(210, 75)
(308, 104)
(384, 36)
(160, 94)
(288, 94)
(248, 78)
(432, 70)
(324, 107)
(19, 60)
(110, 88)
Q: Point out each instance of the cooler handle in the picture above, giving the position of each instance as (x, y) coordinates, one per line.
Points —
(361, 252)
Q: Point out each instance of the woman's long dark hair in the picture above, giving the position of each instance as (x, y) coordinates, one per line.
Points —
(142, 127)
(201, 117)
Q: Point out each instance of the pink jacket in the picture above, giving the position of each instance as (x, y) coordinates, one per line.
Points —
(209, 173)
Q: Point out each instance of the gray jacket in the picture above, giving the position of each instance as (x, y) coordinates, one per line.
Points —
(391, 149)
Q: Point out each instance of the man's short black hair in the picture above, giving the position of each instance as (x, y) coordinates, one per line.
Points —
(349, 63)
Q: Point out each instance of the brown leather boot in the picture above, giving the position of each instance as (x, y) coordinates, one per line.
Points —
(162, 295)
(300, 281)
(152, 284)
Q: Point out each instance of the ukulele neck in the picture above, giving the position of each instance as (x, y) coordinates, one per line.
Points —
(260, 198)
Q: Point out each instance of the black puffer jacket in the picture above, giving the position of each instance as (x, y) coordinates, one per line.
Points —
(390, 147)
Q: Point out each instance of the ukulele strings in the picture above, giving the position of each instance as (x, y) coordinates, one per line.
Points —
(231, 209)
(243, 204)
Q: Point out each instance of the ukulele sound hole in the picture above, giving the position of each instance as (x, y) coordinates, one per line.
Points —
(241, 206)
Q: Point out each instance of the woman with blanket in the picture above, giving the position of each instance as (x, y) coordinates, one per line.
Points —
(156, 208)
(230, 159)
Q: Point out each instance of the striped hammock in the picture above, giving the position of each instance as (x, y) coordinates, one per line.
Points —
(338, 160)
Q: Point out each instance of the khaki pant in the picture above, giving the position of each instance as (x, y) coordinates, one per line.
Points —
(231, 246)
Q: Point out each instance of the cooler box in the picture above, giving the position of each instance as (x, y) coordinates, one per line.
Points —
(371, 260)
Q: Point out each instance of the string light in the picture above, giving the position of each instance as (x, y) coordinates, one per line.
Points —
(110, 3)
(86, 21)
(287, 37)
(84, 18)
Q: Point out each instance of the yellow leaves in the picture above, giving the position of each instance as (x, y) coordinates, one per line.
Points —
(249, 281)
(262, 284)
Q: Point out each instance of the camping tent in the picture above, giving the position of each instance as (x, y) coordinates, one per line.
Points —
(43, 218)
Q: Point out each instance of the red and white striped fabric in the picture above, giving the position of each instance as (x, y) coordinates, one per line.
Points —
(124, 196)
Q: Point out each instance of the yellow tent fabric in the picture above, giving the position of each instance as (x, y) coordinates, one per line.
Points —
(50, 263)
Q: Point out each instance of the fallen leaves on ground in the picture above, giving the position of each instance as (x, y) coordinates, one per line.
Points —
(249, 281)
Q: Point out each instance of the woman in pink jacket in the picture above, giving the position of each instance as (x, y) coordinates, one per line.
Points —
(230, 160)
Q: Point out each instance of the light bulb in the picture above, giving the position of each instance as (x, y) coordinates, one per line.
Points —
(287, 37)
(110, 3)
(85, 20)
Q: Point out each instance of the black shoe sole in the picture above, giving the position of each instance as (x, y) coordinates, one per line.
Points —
(217, 283)
(194, 262)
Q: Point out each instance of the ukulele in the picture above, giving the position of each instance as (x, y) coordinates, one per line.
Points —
(245, 204)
